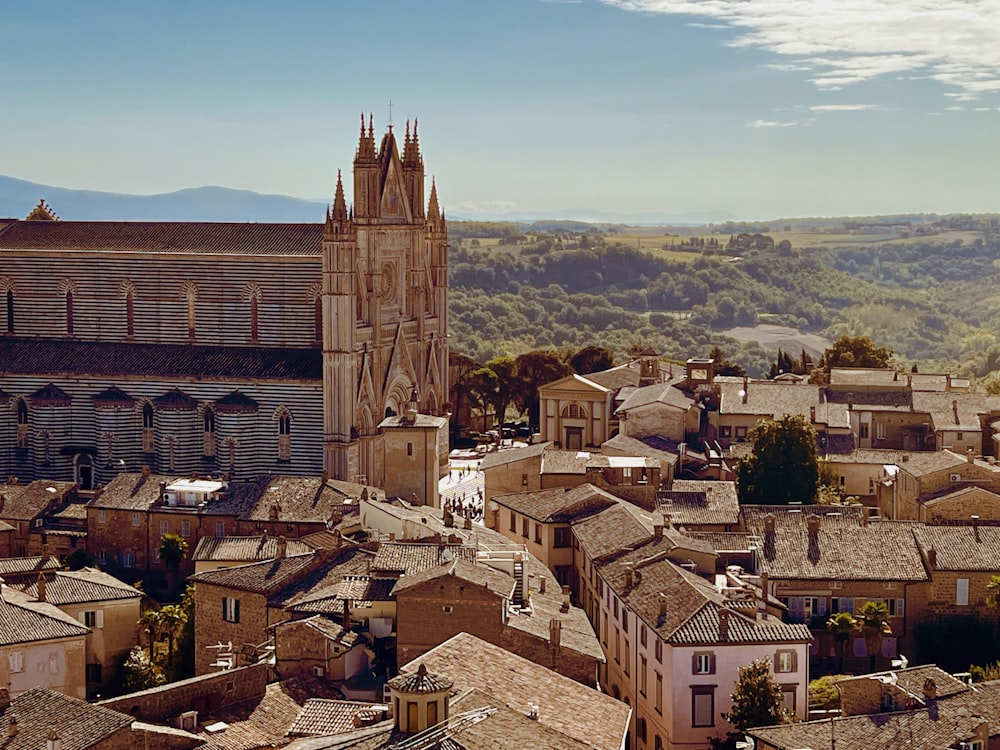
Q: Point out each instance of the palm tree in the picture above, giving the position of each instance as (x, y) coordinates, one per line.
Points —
(873, 624)
(172, 619)
(993, 592)
(150, 623)
(841, 625)
(173, 549)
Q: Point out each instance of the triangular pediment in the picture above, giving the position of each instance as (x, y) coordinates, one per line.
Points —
(572, 384)
(400, 364)
(394, 204)
(432, 375)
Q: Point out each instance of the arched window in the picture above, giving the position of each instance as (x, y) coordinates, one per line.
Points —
(284, 419)
(148, 434)
(69, 313)
(318, 319)
(252, 293)
(254, 329)
(208, 435)
(10, 311)
(189, 295)
(22, 423)
(129, 314)
(574, 411)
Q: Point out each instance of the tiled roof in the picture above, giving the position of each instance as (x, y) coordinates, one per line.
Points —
(514, 728)
(212, 238)
(921, 463)
(872, 456)
(764, 398)
(844, 548)
(245, 548)
(700, 502)
(30, 356)
(420, 681)
(620, 445)
(255, 723)
(512, 455)
(479, 575)
(866, 376)
(236, 403)
(354, 589)
(912, 680)
(609, 531)
(23, 502)
(73, 511)
(693, 605)
(724, 541)
(559, 504)
(408, 558)
(303, 499)
(18, 566)
(664, 393)
(615, 377)
(257, 578)
(956, 411)
(937, 726)
(320, 585)
(77, 587)
(25, 620)
(136, 492)
(564, 462)
(322, 716)
(79, 724)
(961, 548)
(330, 629)
(566, 706)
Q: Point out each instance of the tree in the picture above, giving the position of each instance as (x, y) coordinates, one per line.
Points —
(535, 369)
(140, 672)
(506, 385)
(173, 550)
(150, 624)
(757, 699)
(993, 592)
(842, 625)
(459, 368)
(592, 359)
(723, 365)
(172, 620)
(847, 351)
(783, 465)
(872, 622)
(482, 388)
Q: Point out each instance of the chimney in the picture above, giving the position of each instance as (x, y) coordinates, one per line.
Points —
(541, 585)
(628, 574)
(769, 523)
(930, 689)
(663, 605)
(658, 530)
(41, 587)
(273, 511)
(969, 457)
(325, 477)
(163, 491)
(555, 631)
(564, 607)
(282, 545)
(146, 471)
(932, 557)
(812, 413)
(975, 527)
(863, 518)
(813, 522)
(12, 725)
(723, 625)
(746, 388)
(4, 698)
(954, 411)
(850, 403)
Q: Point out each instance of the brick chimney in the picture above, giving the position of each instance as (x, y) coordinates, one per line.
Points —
(628, 574)
(723, 625)
(969, 456)
(813, 522)
(932, 557)
(769, 523)
(41, 587)
(930, 689)
(564, 607)
(12, 724)
(282, 546)
(555, 631)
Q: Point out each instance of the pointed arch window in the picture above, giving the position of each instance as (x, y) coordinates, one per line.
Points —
(148, 431)
(23, 424)
(189, 295)
(126, 290)
(252, 294)
(284, 420)
(208, 433)
(7, 285)
(318, 319)
(69, 312)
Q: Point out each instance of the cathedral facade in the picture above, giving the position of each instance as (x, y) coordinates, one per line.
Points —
(220, 348)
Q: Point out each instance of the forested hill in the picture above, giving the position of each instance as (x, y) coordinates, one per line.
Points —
(923, 289)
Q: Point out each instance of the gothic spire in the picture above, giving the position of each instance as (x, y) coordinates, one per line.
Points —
(433, 212)
(339, 204)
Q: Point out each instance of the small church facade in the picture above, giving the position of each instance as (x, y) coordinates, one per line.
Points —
(223, 348)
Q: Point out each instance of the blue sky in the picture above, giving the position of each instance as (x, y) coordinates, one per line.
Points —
(754, 109)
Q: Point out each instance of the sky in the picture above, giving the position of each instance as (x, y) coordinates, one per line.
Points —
(594, 109)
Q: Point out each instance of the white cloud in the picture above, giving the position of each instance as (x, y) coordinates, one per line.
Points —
(771, 124)
(480, 207)
(956, 42)
(841, 107)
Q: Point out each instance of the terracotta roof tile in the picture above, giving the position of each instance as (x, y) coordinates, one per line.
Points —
(245, 549)
(961, 548)
(25, 620)
(408, 558)
(322, 716)
(258, 578)
(564, 462)
(480, 575)
(23, 502)
(697, 502)
(11, 567)
(79, 724)
(609, 531)
(559, 504)
(77, 587)
(844, 549)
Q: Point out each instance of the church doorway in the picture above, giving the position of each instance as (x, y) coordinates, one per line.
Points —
(83, 471)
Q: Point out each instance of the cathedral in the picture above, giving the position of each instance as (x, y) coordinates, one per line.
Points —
(223, 348)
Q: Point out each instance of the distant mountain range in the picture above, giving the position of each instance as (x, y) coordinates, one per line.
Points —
(18, 197)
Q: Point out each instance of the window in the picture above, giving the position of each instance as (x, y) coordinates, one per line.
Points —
(93, 673)
(741, 433)
(788, 697)
(725, 431)
(220, 529)
(254, 328)
(148, 436)
(628, 656)
(93, 618)
(318, 317)
(129, 313)
(642, 635)
(22, 423)
(562, 537)
(640, 729)
(284, 435)
(842, 604)
(409, 449)
(703, 662)
(164, 527)
(624, 619)
(69, 313)
(208, 433)
(513, 522)
(863, 431)
(658, 648)
(185, 528)
(785, 661)
(136, 520)
(15, 661)
(189, 293)
(538, 533)
(574, 411)
(524, 527)
(102, 556)
(703, 706)
(962, 592)
(102, 516)
(230, 609)
(880, 430)
(614, 600)
(958, 436)
(642, 675)
(10, 311)
(618, 646)
(127, 559)
(896, 607)
(659, 692)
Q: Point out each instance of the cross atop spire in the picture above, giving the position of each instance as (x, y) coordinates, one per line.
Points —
(390, 115)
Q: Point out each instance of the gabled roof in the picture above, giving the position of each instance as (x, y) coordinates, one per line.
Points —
(698, 502)
(620, 445)
(78, 587)
(559, 504)
(79, 724)
(236, 403)
(354, 589)
(478, 575)
(322, 716)
(960, 548)
(11, 567)
(610, 530)
(23, 502)
(244, 548)
(407, 558)
(326, 627)
(512, 455)
(845, 549)
(26, 620)
(175, 400)
(922, 463)
(564, 462)
(322, 583)
(692, 605)
(303, 499)
(257, 578)
(574, 382)
(658, 393)
(956, 411)
(615, 378)
(566, 706)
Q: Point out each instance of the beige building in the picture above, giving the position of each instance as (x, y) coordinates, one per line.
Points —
(416, 447)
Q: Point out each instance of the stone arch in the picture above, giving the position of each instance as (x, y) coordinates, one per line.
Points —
(574, 410)
(397, 395)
